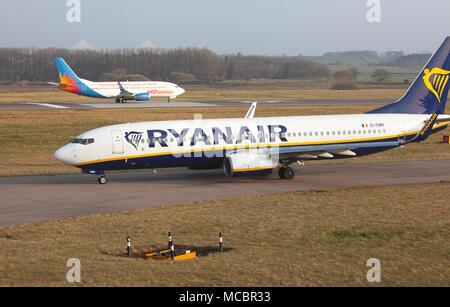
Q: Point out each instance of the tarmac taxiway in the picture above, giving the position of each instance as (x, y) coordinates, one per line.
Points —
(180, 104)
(26, 199)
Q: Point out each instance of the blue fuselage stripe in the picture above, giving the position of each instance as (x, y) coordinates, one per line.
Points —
(215, 156)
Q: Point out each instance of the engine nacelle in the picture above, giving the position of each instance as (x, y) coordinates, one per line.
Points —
(246, 163)
(142, 97)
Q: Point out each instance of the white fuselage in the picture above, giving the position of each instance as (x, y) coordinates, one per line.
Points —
(153, 88)
(147, 144)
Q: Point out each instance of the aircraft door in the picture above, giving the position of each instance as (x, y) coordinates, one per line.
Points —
(401, 132)
(117, 142)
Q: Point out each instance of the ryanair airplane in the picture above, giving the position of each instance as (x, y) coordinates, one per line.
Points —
(256, 146)
(120, 91)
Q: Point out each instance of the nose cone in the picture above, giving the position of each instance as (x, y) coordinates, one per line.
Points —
(64, 154)
(181, 91)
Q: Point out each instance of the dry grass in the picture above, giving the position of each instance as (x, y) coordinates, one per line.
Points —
(316, 238)
(217, 94)
(29, 138)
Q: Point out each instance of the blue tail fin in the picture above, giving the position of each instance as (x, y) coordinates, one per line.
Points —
(65, 72)
(428, 93)
(69, 81)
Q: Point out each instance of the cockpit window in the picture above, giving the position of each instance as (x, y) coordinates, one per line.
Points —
(83, 141)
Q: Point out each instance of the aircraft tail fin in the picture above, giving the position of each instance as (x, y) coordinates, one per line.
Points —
(428, 93)
(65, 73)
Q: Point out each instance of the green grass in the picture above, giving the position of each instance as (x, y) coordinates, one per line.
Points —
(315, 238)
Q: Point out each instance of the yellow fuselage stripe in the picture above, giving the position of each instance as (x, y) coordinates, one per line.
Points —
(251, 169)
(254, 146)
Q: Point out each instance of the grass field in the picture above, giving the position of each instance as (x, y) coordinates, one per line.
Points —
(304, 91)
(29, 138)
(315, 238)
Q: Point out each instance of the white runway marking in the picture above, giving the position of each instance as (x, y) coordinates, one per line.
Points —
(262, 101)
(49, 105)
(158, 104)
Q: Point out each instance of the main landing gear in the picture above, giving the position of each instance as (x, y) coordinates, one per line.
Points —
(286, 172)
(118, 100)
(102, 179)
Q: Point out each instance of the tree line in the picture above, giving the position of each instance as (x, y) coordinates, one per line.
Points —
(183, 64)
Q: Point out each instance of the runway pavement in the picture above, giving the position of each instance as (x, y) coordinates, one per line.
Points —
(180, 104)
(25, 199)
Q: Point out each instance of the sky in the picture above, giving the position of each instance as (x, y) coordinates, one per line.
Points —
(259, 27)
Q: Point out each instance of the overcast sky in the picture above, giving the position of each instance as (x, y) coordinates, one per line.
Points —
(292, 27)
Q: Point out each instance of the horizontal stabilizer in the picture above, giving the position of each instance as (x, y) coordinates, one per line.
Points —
(443, 118)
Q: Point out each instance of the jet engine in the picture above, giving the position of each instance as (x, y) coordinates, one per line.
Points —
(247, 163)
(143, 97)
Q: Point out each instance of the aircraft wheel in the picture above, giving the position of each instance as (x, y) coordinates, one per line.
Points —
(124, 101)
(286, 172)
(102, 179)
(118, 100)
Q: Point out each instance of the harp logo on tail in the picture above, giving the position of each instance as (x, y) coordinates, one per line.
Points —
(436, 80)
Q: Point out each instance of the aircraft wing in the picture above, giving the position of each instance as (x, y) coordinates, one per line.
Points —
(251, 110)
(327, 150)
(124, 92)
(346, 148)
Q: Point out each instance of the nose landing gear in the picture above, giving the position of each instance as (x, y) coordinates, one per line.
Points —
(102, 179)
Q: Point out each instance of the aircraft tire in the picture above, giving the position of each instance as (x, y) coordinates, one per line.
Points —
(118, 100)
(286, 172)
(124, 101)
(102, 180)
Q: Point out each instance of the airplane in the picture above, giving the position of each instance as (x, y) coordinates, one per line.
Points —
(256, 146)
(121, 91)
